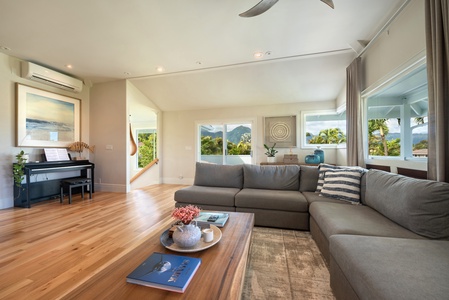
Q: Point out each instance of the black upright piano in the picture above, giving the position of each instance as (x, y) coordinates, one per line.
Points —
(32, 192)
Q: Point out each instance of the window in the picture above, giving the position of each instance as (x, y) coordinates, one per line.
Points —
(146, 147)
(327, 129)
(397, 118)
(238, 148)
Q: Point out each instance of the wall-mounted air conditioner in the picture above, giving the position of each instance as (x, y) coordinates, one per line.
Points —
(50, 77)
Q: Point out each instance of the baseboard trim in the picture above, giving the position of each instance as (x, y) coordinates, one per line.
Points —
(113, 188)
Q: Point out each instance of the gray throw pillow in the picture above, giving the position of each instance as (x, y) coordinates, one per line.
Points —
(421, 206)
(218, 175)
(271, 177)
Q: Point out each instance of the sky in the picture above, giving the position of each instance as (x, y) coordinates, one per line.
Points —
(48, 109)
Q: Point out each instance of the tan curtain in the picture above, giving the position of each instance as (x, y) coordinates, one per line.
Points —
(437, 42)
(354, 113)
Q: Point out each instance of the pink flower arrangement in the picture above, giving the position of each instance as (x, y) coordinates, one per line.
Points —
(186, 213)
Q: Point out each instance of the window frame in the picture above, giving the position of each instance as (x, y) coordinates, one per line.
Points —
(303, 130)
(136, 134)
(415, 64)
(224, 122)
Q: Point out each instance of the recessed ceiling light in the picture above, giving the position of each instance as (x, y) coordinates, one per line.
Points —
(4, 48)
(258, 55)
(69, 66)
(160, 69)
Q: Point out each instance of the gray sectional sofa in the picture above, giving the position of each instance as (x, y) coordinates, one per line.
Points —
(393, 244)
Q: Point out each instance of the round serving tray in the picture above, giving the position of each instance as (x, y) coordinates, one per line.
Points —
(168, 243)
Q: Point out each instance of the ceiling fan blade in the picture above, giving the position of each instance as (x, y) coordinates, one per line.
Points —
(329, 2)
(258, 9)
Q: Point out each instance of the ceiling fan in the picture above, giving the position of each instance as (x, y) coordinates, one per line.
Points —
(265, 5)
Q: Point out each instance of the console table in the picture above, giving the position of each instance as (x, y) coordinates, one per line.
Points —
(39, 190)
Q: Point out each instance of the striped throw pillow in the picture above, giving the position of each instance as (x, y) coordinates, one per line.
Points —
(322, 168)
(342, 184)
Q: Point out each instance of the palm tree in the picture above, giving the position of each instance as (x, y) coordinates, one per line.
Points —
(328, 136)
(381, 126)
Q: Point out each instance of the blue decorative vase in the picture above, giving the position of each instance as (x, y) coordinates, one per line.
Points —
(320, 153)
(312, 159)
(187, 236)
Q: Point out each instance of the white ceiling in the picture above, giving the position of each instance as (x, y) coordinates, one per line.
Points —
(205, 48)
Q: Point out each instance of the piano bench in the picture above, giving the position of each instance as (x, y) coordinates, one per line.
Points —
(71, 183)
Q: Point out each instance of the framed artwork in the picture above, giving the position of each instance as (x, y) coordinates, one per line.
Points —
(46, 119)
(280, 130)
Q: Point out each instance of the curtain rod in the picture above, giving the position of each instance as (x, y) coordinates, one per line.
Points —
(396, 14)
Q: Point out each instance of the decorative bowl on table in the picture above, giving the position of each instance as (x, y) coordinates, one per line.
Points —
(168, 242)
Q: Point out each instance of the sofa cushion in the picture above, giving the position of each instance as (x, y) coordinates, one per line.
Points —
(421, 206)
(342, 184)
(218, 175)
(271, 177)
(308, 178)
(198, 195)
(391, 268)
(271, 199)
(335, 218)
(315, 197)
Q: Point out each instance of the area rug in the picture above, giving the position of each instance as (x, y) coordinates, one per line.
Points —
(285, 264)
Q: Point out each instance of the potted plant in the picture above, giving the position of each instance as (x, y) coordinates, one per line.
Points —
(18, 170)
(188, 233)
(271, 153)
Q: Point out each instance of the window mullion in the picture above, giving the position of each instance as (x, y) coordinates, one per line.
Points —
(406, 134)
(225, 143)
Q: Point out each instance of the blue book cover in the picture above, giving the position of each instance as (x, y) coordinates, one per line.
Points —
(165, 271)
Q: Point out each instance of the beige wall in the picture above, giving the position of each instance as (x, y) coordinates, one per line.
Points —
(179, 135)
(104, 116)
(9, 75)
(109, 129)
(144, 114)
(111, 104)
(401, 42)
(398, 47)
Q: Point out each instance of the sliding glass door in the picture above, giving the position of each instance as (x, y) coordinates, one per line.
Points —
(235, 150)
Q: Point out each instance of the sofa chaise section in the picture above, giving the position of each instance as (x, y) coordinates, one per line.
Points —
(382, 268)
(328, 219)
(393, 206)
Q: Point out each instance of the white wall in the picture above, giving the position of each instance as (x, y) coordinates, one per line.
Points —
(404, 39)
(179, 129)
(109, 129)
(9, 75)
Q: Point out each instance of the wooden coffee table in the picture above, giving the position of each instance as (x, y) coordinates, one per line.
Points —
(220, 275)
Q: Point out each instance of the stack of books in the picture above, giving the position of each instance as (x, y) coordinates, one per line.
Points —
(212, 218)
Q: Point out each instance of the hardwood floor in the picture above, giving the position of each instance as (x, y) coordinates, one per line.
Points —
(50, 249)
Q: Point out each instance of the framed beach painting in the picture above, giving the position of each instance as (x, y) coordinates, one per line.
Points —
(46, 119)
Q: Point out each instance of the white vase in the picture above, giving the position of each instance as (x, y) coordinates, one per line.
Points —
(271, 159)
(187, 236)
